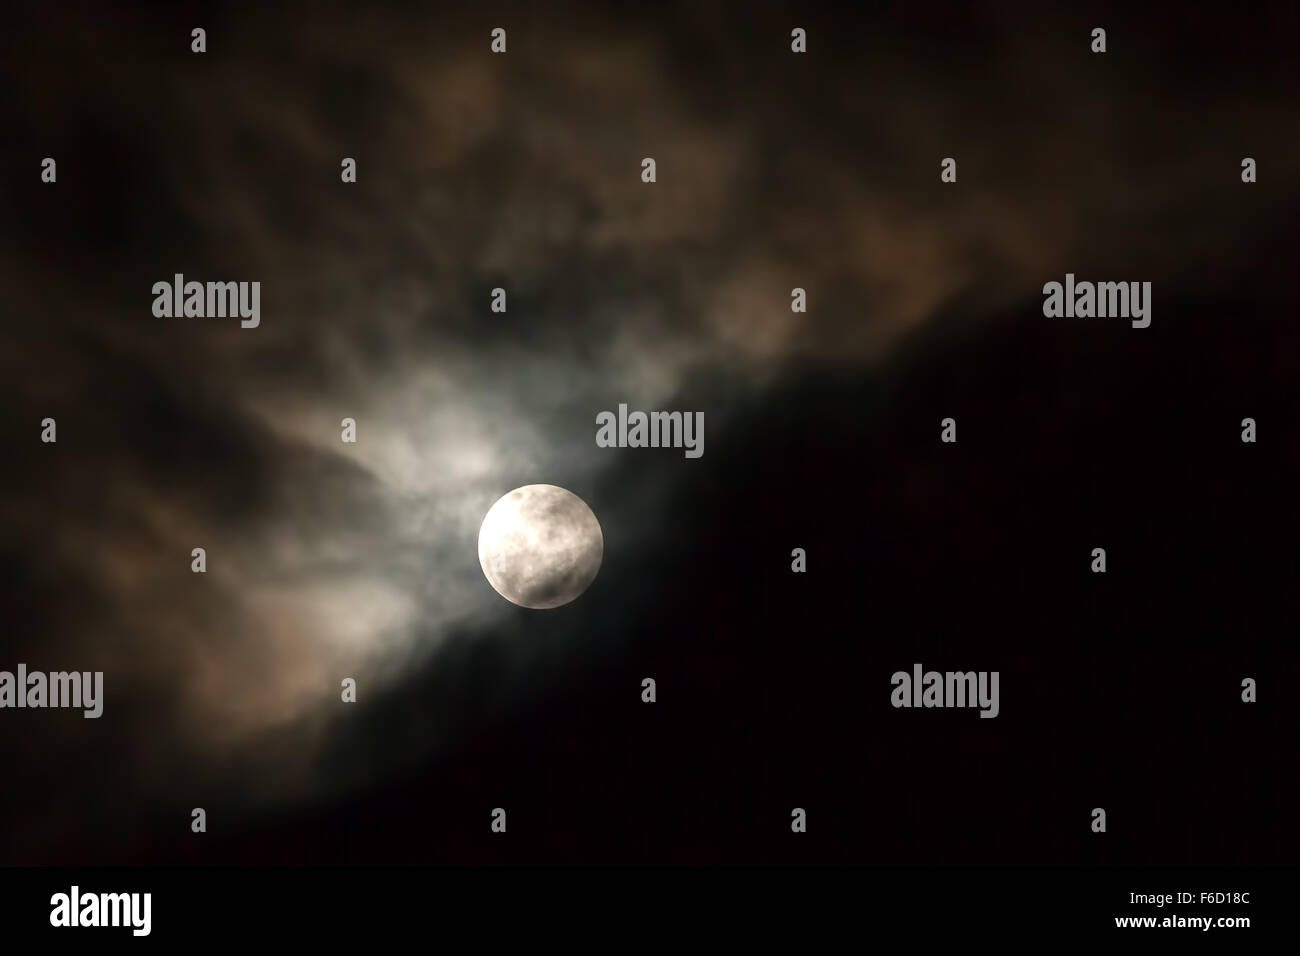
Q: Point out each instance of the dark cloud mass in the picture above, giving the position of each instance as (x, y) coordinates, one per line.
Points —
(328, 560)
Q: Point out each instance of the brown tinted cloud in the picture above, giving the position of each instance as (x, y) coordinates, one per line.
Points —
(329, 560)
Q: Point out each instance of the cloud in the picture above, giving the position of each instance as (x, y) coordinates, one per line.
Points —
(329, 560)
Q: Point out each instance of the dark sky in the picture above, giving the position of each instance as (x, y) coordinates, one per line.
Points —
(775, 170)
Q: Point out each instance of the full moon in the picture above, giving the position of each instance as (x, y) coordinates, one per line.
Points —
(540, 546)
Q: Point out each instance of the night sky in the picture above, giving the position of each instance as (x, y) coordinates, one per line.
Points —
(822, 431)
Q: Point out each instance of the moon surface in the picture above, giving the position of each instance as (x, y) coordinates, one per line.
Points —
(540, 546)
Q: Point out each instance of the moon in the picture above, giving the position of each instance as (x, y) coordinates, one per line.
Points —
(540, 546)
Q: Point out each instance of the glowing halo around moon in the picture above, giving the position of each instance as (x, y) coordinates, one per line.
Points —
(540, 546)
